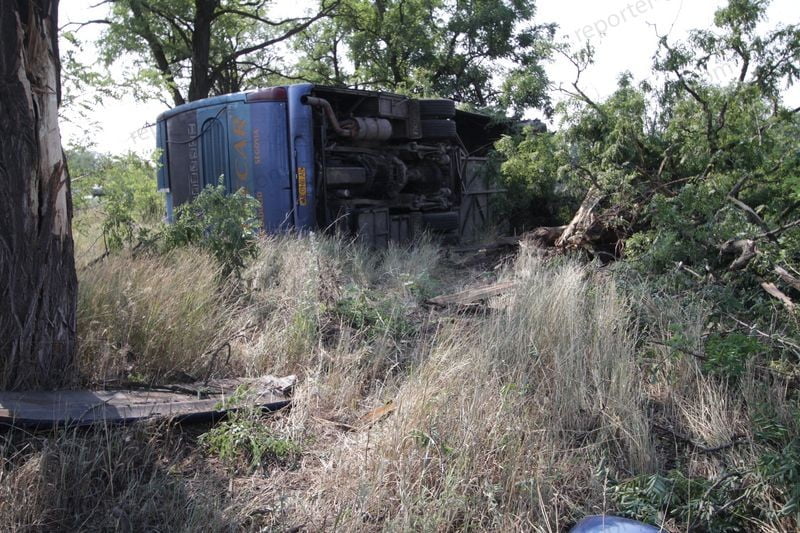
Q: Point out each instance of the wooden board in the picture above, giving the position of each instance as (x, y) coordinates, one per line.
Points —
(83, 407)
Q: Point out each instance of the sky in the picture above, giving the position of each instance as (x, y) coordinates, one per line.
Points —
(623, 32)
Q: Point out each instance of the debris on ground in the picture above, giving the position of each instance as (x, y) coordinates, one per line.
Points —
(378, 414)
(471, 296)
(198, 401)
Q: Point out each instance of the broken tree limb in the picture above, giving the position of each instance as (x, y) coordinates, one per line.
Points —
(472, 295)
(735, 440)
(575, 234)
(680, 266)
(751, 215)
(772, 337)
(777, 232)
(787, 278)
(776, 293)
(545, 235)
(746, 248)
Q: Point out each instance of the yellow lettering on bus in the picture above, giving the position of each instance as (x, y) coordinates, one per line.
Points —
(238, 127)
(302, 191)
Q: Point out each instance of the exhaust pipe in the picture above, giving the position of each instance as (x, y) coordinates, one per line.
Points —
(358, 128)
(323, 104)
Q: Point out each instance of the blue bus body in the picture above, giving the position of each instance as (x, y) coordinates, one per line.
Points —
(374, 163)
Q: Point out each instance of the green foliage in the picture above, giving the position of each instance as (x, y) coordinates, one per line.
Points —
(83, 85)
(433, 47)
(727, 355)
(536, 173)
(246, 438)
(780, 470)
(697, 157)
(191, 50)
(226, 225)
(376, 315)
(697, 502)
(123, 187)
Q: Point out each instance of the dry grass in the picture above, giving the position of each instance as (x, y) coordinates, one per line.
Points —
(325, 306)
(108, 479)
(505, 420)
(151, 318)
(521, 416)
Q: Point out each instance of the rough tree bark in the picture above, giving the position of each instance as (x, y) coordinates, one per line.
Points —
(38, 283)
(577, 231)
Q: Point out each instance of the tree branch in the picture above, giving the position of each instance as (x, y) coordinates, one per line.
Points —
(157, 49)
(233, 56)
(82, 24)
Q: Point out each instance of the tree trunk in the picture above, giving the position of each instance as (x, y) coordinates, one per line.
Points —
(201, 82)
(576, 233)
(37, 269)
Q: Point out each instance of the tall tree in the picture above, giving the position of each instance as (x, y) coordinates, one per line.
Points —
(483, 52)
(196, 48)
(37, 269)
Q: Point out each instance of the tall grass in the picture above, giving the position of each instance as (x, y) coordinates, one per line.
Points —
(505, 421)
(107, 479)
(153, 317)
(317, 302)
(565, 396)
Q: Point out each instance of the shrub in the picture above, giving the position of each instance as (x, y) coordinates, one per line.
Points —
(224, 224)
(129, 199)
(246, 438)
(674, 498)
(372, 313)
(729, 355)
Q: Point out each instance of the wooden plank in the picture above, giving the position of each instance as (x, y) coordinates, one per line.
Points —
(473, 295)
(83, 407)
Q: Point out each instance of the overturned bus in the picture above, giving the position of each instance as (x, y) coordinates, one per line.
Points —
(381, 166)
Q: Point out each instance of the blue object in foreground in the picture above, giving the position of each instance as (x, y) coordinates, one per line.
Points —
(612, 524)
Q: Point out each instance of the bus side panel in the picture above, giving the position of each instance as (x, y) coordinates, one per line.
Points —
(273, 185)
(213, 145)
(162, 174)
(183, 162)
(301, 146)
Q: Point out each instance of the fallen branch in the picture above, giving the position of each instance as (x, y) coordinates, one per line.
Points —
(678, 348)
(746, 248)
(681, 266)
(472, 295)
(776, 293)
(776, 232)
(760, 333)
(735, 440)
(750, 213)
(788, 278)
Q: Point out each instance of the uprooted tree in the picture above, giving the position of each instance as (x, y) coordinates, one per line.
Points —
(38, 283)
(697, 167)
